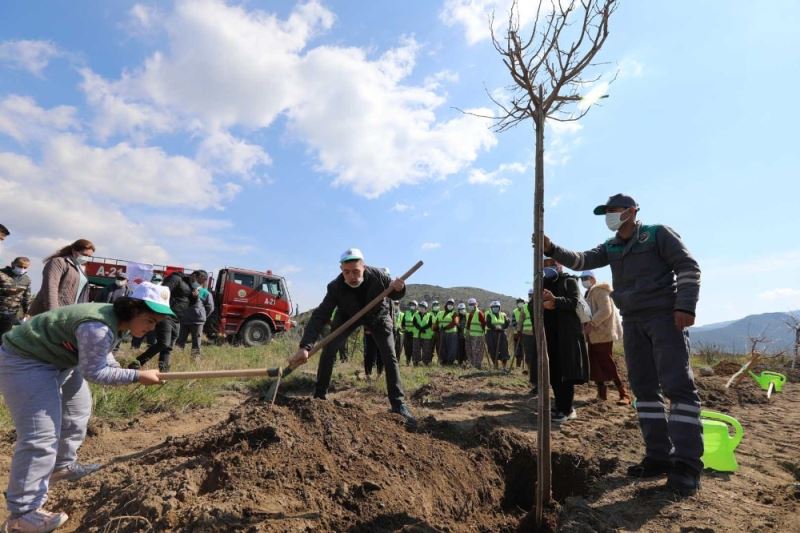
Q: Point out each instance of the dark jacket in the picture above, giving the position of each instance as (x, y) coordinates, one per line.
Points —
(348, 301)
(653, 272)
(60, 281)
(180, 293)
(112, 292)
(200, 310)
(564, 332)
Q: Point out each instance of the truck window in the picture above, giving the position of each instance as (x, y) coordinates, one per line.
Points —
(273, 287)
(248, 280)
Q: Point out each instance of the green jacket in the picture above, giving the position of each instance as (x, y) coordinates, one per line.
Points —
(51, 337)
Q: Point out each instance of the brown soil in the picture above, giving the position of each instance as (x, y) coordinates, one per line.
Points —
(348, 465)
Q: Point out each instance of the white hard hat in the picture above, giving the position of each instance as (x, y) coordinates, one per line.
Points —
(495, 304)
(472, 301)
(461, 306)
(424, 304)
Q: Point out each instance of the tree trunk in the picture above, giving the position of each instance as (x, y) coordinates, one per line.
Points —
(543, 470)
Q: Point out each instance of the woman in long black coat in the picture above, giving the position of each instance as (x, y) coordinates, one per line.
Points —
(566, 344)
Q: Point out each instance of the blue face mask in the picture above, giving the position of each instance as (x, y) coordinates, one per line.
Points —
(550, 273)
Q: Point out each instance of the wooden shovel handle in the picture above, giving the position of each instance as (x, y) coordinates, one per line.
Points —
(242, 373)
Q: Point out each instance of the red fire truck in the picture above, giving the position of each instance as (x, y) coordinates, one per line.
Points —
(250, 306)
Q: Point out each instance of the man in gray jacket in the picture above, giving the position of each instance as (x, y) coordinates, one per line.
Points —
(656, 287)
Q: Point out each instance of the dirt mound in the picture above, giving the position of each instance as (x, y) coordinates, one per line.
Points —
(714, 395)
(726, 367)
(303, 465)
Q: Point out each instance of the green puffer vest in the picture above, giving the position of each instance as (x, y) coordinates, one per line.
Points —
(51, 337)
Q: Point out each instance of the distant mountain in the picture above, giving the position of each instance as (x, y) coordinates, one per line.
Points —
(733, 336)
(429, 293)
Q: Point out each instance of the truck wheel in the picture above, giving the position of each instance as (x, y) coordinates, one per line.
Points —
(256, 333)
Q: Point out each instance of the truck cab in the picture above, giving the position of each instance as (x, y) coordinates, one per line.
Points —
(252, 306)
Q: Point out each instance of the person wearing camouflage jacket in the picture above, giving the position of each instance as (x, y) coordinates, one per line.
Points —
(15, 293)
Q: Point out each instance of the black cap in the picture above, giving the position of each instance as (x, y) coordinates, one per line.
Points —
(618, 200)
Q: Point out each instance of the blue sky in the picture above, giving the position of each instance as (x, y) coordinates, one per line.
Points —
(275, 135)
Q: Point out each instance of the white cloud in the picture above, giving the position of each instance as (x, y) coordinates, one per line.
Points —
(116, 114)
(431, 245)
(555, 201)
(365, 125)
(23, 120)
(144, 176)
(222, 152)
(497, 177)
(32, 56)
(400, 207)
(474, 15)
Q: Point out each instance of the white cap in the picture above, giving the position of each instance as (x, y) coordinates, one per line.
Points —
(155, 296)
(495, 304)
(461, 306)
(472, 301)
(351, 254)
(424, 304)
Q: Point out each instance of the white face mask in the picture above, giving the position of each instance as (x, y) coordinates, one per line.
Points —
(614, 220)
(449, 307)
(520, 305)
(435, 308)
(19, 270)
(121, 282)
(586, 284)
(82, 259)
(471, 307)
(495, 310)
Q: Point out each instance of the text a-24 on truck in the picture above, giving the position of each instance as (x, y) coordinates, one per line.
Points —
(250, 306)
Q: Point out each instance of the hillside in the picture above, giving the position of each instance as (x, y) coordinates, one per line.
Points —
(733, 336)
(429, 293)
(418, 292)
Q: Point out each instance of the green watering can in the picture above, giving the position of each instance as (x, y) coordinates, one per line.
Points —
(718, 443)
(768, 377)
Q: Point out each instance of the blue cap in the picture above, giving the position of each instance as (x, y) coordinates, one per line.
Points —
(588, 274)
(618, 200)
(351, 254)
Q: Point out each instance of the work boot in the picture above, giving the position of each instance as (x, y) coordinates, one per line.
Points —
(683, 480)
(195, 355)
(650, 468)
(624, 399)
(38, 521)
(560, 418)
(602, 391)
(74, 472)
(402, 410)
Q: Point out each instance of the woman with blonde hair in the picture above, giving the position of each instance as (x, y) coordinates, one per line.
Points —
(64, 280)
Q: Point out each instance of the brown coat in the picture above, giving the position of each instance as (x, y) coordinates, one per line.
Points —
(605, 325)
(60, 281)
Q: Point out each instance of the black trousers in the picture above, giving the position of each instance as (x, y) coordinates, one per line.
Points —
(371, 355)
(384, 341)
(196, 331)
(6, 323)
(166, 335)
(408, 346)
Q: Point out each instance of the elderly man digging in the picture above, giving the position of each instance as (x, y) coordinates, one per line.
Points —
(352, 290)
(656, 287)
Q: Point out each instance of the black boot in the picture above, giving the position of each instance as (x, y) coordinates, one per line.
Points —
(650, 468)
(683, 480)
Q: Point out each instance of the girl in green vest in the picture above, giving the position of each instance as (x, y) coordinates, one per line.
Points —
(44, 366)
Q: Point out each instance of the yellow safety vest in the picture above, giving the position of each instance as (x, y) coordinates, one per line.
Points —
(475, 326)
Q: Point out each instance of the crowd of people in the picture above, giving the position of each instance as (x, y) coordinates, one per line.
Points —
(56, 343)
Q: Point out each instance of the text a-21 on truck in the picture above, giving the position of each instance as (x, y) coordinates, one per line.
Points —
(250, 306)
